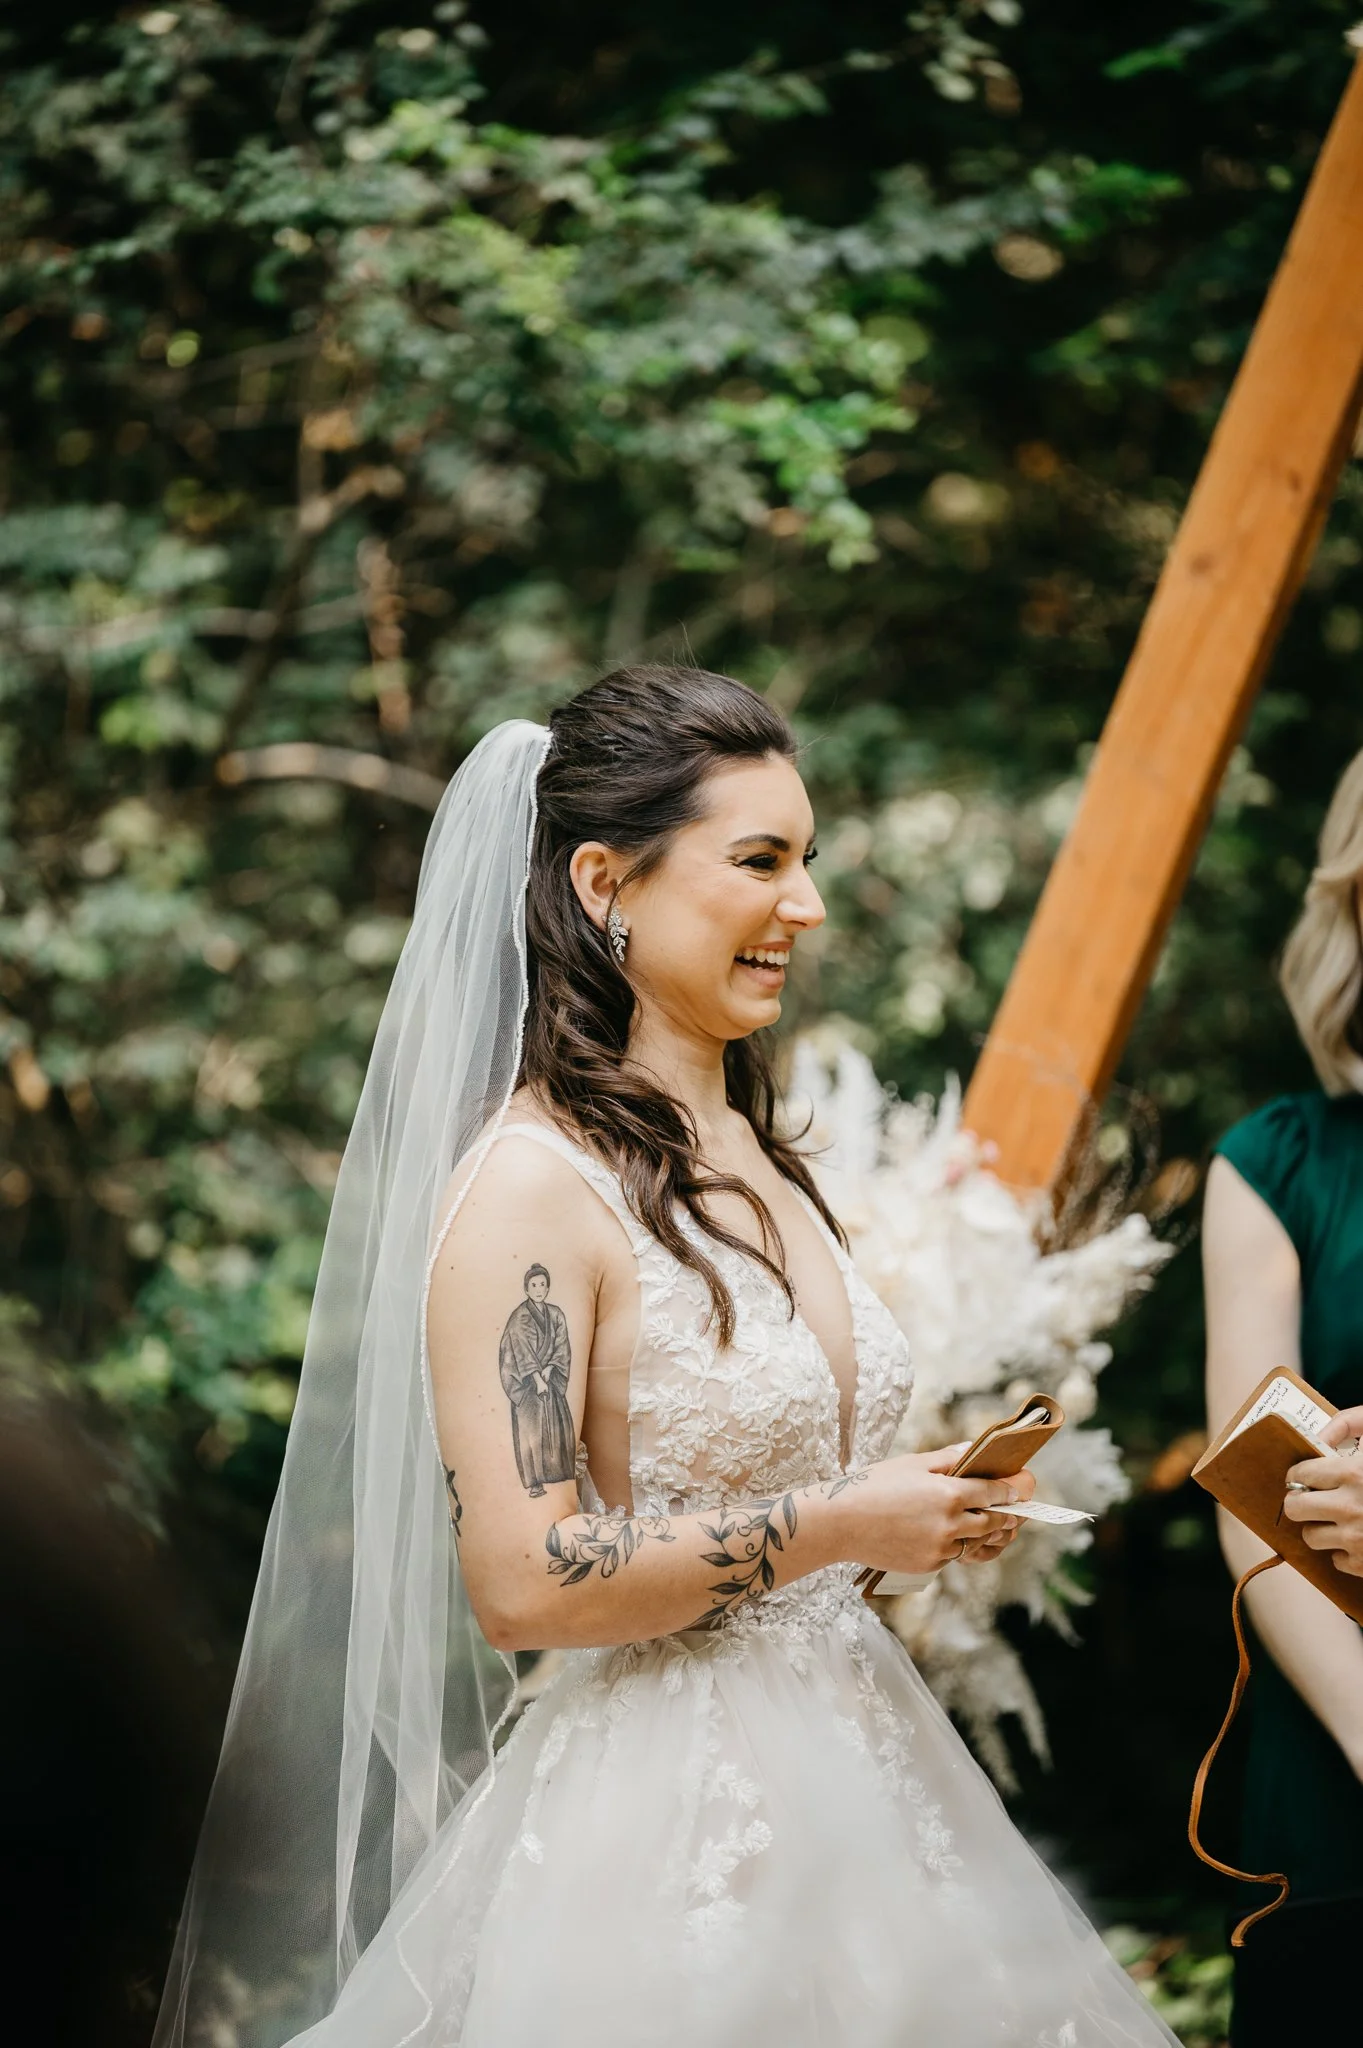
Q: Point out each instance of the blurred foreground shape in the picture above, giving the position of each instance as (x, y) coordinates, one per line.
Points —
(107, 1713)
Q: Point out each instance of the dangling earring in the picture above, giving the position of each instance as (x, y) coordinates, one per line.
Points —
(617, 932)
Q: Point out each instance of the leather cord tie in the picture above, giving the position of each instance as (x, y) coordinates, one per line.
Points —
(1276, 1877)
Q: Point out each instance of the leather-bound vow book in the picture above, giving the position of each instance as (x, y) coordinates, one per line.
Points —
(1245, 1468)
(1008, 1447)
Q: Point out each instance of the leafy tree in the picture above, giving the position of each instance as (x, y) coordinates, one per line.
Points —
(351, 424)
(370, 380)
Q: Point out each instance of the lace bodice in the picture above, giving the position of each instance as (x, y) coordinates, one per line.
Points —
(708, 1425)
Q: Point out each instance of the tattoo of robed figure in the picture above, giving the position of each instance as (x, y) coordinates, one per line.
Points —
(534, 1359)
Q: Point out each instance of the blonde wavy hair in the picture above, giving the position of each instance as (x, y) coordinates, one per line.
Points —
(1322, 964)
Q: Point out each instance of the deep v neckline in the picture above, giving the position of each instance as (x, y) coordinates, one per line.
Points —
(843, 1265)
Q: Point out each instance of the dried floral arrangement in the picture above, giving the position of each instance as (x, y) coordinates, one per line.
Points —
(996, 1302)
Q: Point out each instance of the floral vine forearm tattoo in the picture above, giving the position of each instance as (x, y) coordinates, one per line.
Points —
(747, 1536)
(602, 1545)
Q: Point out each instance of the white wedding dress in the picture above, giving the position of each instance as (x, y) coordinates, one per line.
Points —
(768, 1833)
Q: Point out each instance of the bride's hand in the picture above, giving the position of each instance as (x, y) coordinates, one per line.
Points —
(908, 1515)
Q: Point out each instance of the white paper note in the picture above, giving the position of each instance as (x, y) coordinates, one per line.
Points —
(1045, 1511)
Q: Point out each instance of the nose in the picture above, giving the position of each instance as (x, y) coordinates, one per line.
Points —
(802, 904)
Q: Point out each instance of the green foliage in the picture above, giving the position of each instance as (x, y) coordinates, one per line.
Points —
(1188, 1986)
(346, 417)
(370, 380)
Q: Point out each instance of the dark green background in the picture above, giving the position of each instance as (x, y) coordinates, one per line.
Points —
(190, 974)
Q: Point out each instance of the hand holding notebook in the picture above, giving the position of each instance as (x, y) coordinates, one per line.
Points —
(1325, 1495)
(999, 1452)
(1247, 1467)
(1259, 1467)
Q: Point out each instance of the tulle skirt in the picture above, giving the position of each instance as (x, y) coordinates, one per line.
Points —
(768, 1834)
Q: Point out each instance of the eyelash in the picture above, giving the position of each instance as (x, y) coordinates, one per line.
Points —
(766, 862)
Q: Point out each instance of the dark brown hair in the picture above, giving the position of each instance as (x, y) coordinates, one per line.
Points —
(628, 765)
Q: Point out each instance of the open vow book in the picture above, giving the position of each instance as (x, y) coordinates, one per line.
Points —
(1245, 1468)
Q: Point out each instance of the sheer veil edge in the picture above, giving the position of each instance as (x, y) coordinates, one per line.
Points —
(366, 1699)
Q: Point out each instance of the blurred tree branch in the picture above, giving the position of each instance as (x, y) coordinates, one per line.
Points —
(298, 760)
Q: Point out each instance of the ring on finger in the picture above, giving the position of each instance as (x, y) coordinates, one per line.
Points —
(961, 1552)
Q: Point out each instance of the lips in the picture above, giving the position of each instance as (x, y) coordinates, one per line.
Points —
(766, 964)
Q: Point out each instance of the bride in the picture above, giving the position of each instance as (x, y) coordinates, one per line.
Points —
(589, 1368)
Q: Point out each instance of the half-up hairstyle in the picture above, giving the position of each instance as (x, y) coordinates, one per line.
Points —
(628, 765)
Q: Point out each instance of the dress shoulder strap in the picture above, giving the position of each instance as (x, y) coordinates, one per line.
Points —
(597, 1175)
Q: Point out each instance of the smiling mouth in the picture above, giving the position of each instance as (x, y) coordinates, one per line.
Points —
(766, 959)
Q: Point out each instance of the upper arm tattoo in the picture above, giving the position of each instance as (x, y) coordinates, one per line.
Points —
(535, 1358)
(456, 1505)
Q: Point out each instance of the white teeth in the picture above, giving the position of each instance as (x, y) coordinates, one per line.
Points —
(768, 956)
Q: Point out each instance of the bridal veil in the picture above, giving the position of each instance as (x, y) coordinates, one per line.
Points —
(366, 1697)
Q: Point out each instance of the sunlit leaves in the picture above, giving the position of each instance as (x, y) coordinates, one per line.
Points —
(589, 395)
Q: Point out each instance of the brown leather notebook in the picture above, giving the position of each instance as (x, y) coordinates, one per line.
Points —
(998, 1452)
(1008, 1447)
(1245, 1468)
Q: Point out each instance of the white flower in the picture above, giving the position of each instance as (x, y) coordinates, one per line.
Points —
(990, 1316)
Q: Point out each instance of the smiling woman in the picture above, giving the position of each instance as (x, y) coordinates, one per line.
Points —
(664, 1402)
(732, 1724)
(670, 808)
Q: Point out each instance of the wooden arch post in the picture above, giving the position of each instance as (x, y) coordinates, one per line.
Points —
(1235, 566)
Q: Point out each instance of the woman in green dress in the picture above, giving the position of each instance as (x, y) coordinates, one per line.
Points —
(1283, 1269)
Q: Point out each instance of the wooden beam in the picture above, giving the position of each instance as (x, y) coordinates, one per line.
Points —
(1235, 566)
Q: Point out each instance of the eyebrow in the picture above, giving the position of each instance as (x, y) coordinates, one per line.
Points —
(772, 839)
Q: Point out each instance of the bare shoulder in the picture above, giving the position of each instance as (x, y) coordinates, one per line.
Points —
(1252, 1291)
(523, 1182)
